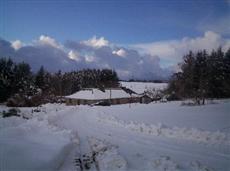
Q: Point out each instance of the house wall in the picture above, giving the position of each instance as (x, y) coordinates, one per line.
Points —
(70, 101)
(145, 99)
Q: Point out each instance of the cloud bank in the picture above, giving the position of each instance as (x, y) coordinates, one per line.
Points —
(75, 55)
(140, 61)
(172, 51)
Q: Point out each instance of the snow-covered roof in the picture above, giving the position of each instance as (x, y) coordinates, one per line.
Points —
(93, 94)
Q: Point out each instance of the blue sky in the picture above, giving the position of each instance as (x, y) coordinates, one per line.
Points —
(156, 27)
(124, 22)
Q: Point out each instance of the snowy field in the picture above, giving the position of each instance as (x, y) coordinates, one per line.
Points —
(135, 137)
(140, 87)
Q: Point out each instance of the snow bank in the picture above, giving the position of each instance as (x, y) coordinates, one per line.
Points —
(107, 156)
(32, 144)
(193, 134)
(13, 121)
(211, 117)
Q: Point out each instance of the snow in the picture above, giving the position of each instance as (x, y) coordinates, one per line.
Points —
(164, 163)
(156, 136)
(211, 117)
(108, 157)
(192, 134)
(32, 144)
(141, 87)
(92, 94)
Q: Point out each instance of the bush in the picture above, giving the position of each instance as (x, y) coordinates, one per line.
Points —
(173, 96)
(16, 101)
(11, 112)
(20, 100)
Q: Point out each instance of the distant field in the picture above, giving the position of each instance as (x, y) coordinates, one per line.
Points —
(140, 87)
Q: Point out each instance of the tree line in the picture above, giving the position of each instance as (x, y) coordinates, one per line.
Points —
(17, 78)
(202, 76)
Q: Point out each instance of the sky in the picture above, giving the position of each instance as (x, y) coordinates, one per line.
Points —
(139, 39)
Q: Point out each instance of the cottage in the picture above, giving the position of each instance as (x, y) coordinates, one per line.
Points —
(111, 96)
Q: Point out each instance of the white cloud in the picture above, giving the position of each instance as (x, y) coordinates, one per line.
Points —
(89, 58)
(120, 52)
(172, 51)
(74, 55)
(141, 61)
(46, 40)
(54, 56)
(96, 43)
(17, 44)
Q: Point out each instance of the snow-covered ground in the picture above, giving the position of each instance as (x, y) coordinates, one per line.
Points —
(140, 87)
(155, 136)
(33, 144)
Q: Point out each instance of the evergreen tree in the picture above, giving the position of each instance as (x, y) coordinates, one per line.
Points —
(18, 78)
(23, 78)
(203, 76)
(6, 78)
(226, 84)
(40, 78)
(187, 84)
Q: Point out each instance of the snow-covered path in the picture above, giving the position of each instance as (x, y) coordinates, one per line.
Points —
(142, 151)
(140, 137)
